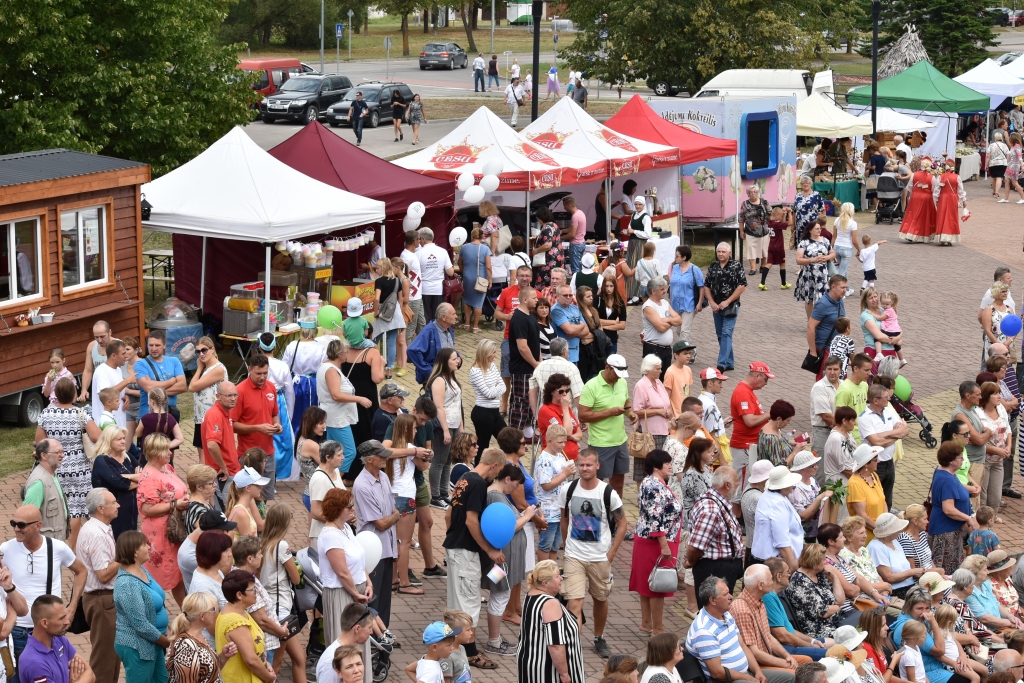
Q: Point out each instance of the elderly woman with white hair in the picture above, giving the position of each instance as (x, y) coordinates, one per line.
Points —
(962, 588)
(807, 206)
(983, 601)
(659, 319)
(651, 404)
(997, 157)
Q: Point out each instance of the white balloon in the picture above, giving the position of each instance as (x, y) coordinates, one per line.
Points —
(493, 167)
(474, 195)
(416, 210)
(409, 223)
(465, 181)
(490, 183)
(372, 548)
(457, 237)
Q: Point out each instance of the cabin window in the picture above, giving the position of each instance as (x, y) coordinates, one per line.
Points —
(759, 145)
(20, 260)
(83, 234)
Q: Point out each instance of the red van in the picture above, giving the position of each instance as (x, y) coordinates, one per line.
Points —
(273, 72)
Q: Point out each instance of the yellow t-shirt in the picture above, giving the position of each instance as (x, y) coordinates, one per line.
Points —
(235, 670)
(871, 495)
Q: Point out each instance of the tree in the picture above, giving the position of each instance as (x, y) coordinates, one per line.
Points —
(400, 8)
(138, 79)
(464, 9)
(955, 34)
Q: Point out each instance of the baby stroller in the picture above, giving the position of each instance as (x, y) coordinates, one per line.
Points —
(490, 303)
(890, 204)
(911, 413)
(308, 597)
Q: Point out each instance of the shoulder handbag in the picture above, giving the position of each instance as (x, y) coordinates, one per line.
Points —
(173, 410)
(482, 283)
(732, 310)
(388, 306)
(176, 531)
(663, 579)
(871, 182)
(296, 619)
(452, 285)
(640, 443)
(812, 364)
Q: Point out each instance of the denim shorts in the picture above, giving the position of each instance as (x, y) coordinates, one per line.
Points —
(405, 505)
(551, 538)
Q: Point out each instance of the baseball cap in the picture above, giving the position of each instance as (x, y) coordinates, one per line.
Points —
(372, 447)
(355, 306)
(711, 373)
(215, 519)
(437, 631)
(618, 364)
(759, 471)
(682, 345)
(247, 476)
(758, 366)
(390, 389)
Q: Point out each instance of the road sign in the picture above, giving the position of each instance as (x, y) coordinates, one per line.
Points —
(387, 42)
(339, 30)
(604, 35)
(556, 38)
(507, 52)
(350, 14)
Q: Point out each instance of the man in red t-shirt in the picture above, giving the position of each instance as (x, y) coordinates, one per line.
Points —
(747, 419)
(508, 301)
(219, 450)
(256, 419)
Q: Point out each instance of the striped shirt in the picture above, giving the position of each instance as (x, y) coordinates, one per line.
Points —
(488, 386)
(917, 549)
(709, 638)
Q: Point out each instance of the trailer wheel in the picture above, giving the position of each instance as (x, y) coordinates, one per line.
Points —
(32, 404)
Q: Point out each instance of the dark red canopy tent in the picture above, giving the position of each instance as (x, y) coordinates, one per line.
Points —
(320, 154)
(636, 119)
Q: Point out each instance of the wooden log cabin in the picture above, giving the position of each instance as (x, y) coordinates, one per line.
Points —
(70, 245)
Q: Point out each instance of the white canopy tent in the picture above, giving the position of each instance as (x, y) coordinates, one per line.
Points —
(236, 190)
(993, 80)
(892, 121)
(1014, 68)
(818, 116)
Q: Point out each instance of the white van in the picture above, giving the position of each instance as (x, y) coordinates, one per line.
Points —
(767, 83)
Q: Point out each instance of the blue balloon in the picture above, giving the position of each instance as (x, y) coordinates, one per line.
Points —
(1010, 325)
(498, 524)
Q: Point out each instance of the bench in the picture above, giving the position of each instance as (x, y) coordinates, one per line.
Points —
(153, 279)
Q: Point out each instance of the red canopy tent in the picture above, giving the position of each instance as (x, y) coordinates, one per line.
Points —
(322, 155)
(636, 119)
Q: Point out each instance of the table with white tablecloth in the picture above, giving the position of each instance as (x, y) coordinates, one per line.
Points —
(969, 166)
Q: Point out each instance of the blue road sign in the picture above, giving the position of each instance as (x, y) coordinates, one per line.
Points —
(339, 30)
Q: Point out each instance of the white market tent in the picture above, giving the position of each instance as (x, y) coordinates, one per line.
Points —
(993, 80)
(892, 121)
(818, 116)
(568, 128)
(1014, 68)
(236, 190)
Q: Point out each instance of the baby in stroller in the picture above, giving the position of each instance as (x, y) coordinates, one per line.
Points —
(885, 372)
(889, 192)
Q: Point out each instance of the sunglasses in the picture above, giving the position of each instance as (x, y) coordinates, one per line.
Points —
(561, 391)
(22, 525)
(201, 351)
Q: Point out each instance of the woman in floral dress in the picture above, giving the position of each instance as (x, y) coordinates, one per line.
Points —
(812, 593)
(807, 206)
(813, 254)
(549, 243)
(160, 493)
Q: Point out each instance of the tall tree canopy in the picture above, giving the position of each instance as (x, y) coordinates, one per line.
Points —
(140, 79)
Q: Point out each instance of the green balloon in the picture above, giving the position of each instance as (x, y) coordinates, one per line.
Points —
(329, 317)
(902, 388)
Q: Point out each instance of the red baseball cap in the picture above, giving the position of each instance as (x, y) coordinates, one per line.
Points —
(758, 366)
(711, 373)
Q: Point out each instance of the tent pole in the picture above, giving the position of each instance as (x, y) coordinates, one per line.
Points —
(266, 293)
(383, 249)
(529, 225)
(202, 278)
(607, 207)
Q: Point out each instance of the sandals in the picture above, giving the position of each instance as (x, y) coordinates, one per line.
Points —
(410, 590)
(463, 327)
(476, 330)
(516, 621)
(481, 662)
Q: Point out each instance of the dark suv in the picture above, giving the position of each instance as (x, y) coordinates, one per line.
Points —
(304, 98)
(377, 97)
(445, 55)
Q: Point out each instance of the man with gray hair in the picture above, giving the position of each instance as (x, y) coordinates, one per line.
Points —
(903, 146)
(558, 278)
(438, 334)
(435, 263)
(43, 490)
(659, 319)
(1008, 660)
(752, 619)
(96, 551)
(724, 283)
(716, 538)
(376, 512)
(557, 364)
(811, 672)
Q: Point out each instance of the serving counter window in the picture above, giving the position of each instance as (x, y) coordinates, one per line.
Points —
(83, 247)
(19, 260)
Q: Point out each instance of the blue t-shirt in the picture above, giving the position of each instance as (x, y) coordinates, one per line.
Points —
(684, 288)
(982, 541)
(167, 368)
(944, 487)
(567, 314)
(933, 668)
(531, 495)
(776, 612)
(826, 311)
(158, 596)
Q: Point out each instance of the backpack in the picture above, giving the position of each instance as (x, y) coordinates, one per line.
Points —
(607, 503)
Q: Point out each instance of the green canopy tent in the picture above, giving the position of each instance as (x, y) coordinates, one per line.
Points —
(922, 88)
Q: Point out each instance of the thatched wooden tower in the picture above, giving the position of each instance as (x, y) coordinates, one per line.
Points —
(903, 54)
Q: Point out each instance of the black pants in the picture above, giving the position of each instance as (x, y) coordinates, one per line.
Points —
(887, 474)
(487, 422)
(430, 304)
(662, 352)
(729, 570)
(381, 578)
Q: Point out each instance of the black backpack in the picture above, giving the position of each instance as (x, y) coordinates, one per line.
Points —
(607, 503)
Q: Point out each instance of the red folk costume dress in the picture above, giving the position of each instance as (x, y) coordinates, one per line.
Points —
(949, 198)
(919, 221)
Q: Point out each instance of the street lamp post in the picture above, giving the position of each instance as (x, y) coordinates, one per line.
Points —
(322, 36)
(876, 10)
(538, 10)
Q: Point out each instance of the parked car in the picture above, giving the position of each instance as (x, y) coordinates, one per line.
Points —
(1016, 18)
(1003, 60)
(304, 98)
(378, 98)
(446, 55)
(667, 87)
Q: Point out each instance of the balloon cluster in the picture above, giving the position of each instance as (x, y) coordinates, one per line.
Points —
(412, 216)
(473, 193)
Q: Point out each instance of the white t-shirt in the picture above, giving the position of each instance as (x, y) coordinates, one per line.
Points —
(434, 261)
(912, 657)
(33, 584)
(651, 335)
(547, 468)
(909, 151)
(429, 671)
(319, 484)
(403, 483)
(102, 377)
(275, 579)
(589, 537)
(844, 237)
(867, 258)
(515, 70)
(412, 262)
(355, 557)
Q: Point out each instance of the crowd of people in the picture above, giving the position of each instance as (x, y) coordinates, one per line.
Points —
(803, 527)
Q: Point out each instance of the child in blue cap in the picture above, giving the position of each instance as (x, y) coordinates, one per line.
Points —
(439, 638)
